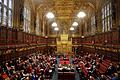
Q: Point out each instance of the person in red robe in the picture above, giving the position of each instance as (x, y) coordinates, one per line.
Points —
(5, 76)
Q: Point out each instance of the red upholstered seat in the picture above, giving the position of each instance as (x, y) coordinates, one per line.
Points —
(102, 69)
(67, 62)
(61, 62)
(85, 71)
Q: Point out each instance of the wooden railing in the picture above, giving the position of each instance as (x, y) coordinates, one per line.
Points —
(51, 40)
(107, 43)
(76, 40)
(10, 36)
(107, 38)
(15, 43)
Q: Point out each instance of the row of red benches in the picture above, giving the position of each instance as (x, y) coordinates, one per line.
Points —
(103, 66)
(102, 70)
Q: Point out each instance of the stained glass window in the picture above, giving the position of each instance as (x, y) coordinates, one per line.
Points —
(93, 25)
(107, 17)
(27, 20)
(0, 13)
(10, 4)
(37, 25)
(6, 12)
(4, 15)
(10, 18)
(5, 2)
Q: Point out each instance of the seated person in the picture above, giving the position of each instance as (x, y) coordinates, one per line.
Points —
(118, 68)
(103, 77)
(87, 65)
(111, 69)
(5, 76)
(0, 77)
(92, 78)
(97, 65)
(115, 76)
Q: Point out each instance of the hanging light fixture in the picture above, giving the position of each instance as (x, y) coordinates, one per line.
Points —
(56, 28)
(81, 14)
(72, 28)
(75, 24)
(50, 15)
(54, 24)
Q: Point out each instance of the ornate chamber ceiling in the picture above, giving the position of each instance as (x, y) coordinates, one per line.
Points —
(66, 10)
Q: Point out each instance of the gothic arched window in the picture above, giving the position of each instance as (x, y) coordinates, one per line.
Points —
(6, 12)
(107, 17)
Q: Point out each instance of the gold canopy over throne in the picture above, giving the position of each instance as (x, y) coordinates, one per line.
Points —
(64, 45)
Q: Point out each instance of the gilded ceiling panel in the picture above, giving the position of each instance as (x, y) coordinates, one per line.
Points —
(66, 10)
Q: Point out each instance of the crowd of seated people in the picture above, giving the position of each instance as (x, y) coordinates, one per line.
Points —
(34, 67)
(92, 66)
(40, 67)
